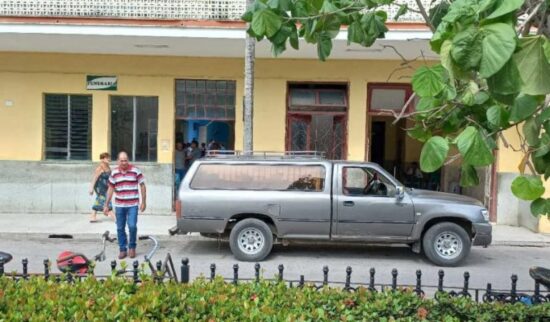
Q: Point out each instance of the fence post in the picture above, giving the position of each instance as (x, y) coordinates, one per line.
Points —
(281, 269)
(466, 284)
(513, 292)
(113, 266)
(25, 268)
(212, 272)
(347, 286)
(418, 288)
(257, 272)
(325, 275)
(235, 274)
(70, 274)
(394, 279)
(136, 266)
(184, 271)
(371, 279)
(441, 274)
(302, 281)
(46, 269)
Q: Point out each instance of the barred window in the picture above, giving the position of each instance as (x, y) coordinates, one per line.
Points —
(205, 99)
(271, 177)
(68, 129)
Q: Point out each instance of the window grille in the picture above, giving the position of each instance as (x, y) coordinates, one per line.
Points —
(205, 99)
(68, 126)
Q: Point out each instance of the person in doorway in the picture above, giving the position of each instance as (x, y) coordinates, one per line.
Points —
(194, 153)
(100, 185)
(179, 165)
(126, 182)
(203, 149)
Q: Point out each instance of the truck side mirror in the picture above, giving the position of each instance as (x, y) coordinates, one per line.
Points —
(400, 192)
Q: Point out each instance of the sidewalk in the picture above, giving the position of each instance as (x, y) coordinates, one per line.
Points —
(77, 225)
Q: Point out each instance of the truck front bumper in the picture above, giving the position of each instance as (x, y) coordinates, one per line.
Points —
(483, 234)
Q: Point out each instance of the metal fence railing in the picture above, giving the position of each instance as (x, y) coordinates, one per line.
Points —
(167, 272)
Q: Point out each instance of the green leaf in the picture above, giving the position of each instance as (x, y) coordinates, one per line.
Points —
(540, 206)
(527, 188)
(442, 33)
(328, 7)
(468, 176)
(437, 12)
(469, 94)
(428, 81)
(419, 133)
(401, 11)
(505, 7)
(356, 34)
(282, 35)
(497, 116)
(498, 46)
(265, 23)
(283, 5)
(507, 80)
(523, 107)
(426, 104)
(543, 149)
(433, 155)
(324, 46)
(547, 49)
(474, 148)
(446, 60)
(294, 39)
(531, 130)
(533, 65)
(467, 48)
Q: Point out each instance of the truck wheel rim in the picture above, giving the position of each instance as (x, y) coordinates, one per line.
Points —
(251, 241)
(448, 245)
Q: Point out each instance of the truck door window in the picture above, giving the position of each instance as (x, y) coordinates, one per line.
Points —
(364, 181)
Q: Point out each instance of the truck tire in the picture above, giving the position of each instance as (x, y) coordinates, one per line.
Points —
(446, 244)
(251, 240)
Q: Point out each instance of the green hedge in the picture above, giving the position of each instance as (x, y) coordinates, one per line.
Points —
(118, 299)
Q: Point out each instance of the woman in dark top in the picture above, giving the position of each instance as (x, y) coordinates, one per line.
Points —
(99, 185)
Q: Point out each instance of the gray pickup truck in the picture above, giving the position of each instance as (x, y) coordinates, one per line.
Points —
(257, 203)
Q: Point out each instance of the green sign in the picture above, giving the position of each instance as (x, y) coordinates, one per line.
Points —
(101, 83)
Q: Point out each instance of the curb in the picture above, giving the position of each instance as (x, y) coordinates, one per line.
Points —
(93, 236)
(197, 237)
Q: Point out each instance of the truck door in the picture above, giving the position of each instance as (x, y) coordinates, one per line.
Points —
(367, 207)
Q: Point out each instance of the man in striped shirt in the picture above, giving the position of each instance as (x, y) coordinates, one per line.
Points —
(125, 182)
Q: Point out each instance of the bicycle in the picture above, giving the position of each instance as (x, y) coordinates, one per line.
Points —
(78, 263)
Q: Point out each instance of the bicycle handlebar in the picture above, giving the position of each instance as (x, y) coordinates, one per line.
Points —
(153, 250)
(106, 237)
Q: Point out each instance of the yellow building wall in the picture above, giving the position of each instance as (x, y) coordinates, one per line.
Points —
(509, 161)
(25, 77)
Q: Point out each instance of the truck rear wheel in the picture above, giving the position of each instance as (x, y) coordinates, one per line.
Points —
(251, 240)
(446, 244)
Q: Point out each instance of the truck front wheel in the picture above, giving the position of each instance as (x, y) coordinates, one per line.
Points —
(251, 240)
(446, 244)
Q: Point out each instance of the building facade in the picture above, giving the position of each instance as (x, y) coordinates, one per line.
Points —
(78, 78)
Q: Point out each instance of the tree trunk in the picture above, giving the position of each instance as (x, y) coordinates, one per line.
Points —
(249, 58)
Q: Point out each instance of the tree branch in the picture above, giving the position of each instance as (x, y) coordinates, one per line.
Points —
(404, 108)
(424, 14)
(521, 29)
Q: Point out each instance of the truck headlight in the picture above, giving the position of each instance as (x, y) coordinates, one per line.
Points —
(485, 214)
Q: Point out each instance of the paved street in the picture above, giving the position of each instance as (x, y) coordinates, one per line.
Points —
(494, 264)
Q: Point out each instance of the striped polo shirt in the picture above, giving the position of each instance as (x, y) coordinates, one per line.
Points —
(126, 185)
